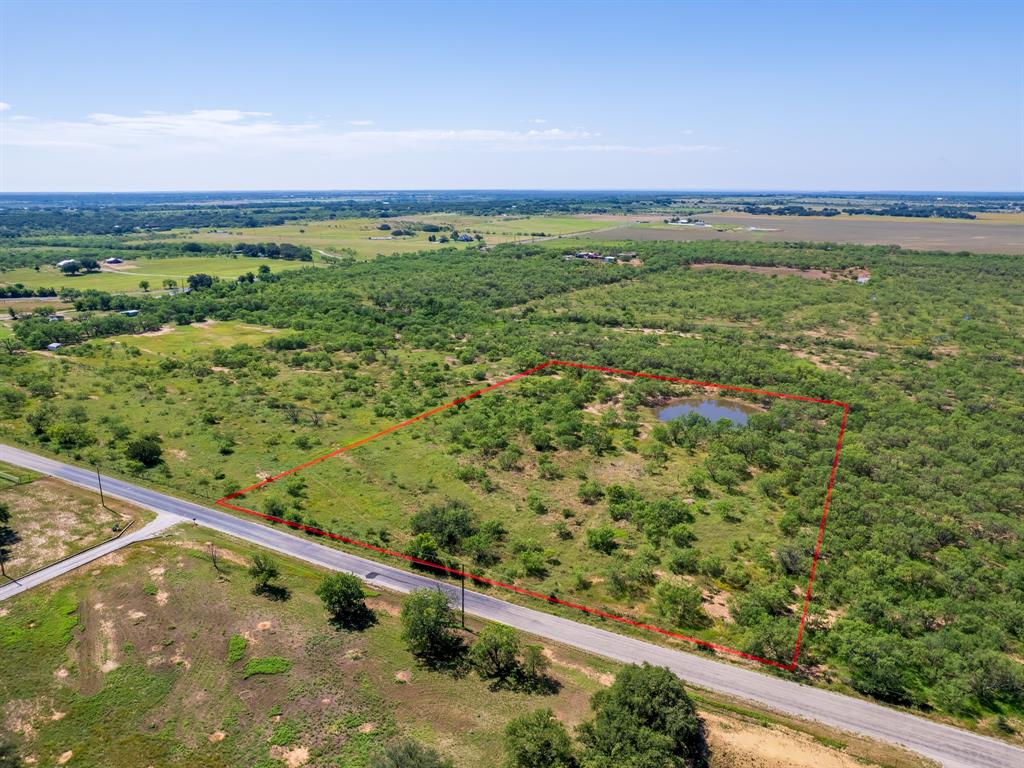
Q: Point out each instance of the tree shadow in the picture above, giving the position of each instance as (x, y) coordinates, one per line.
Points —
(275, 592)
(8, 538)
(364, 619)
(451, 657)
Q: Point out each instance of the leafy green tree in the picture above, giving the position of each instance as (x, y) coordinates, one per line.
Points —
(590, 492)
(145, 449)
(538, 740)
(534, 663)
(602, 539)
(495, 654)
(263, 570)
(423, 547)
(9, 757)
(427, 622)
(449, 524)
(644, 720)
(342, 596)
(144, 285)
(680, 604)
(71, 267)
(407, 753)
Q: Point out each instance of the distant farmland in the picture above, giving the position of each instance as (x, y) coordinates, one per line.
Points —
(981, 236)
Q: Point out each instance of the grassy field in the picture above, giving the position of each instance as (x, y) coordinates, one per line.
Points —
(353, 236)
(224, 427)
(148, 660)
(126, 277)
(53, 519)
(181, 339)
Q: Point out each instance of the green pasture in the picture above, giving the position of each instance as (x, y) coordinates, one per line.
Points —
(126, 277)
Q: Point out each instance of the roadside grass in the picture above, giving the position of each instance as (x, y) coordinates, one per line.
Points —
(172, 697)
(126, 278)
(11, 475)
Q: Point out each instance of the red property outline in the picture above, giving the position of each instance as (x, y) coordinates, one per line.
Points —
(791, 666)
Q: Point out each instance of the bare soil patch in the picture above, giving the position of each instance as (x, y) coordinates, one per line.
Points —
(54, 520)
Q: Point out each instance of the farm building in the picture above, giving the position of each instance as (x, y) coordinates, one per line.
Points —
(63, 262)
(129, 312)
(113, 260)
(54, 346)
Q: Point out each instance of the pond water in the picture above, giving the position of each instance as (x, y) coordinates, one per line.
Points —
(711, 409)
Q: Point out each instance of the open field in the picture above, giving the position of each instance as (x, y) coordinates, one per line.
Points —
(208, 335)
(128, 663)
(929, 367)
(125, 277)
(983, 236)
(353, 236)
(570, 486)
(53, 520)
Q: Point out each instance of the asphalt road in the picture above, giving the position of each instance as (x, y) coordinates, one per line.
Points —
(950, 746)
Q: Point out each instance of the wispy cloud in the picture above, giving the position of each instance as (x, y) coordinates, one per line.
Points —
(223, 130)
(4, 106)
(537, 120)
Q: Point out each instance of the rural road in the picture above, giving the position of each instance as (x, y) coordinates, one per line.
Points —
(949, 746)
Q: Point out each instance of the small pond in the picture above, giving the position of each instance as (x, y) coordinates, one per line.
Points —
(711, 409)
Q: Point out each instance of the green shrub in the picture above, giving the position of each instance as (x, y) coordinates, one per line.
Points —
(271, 665)
(236, 648)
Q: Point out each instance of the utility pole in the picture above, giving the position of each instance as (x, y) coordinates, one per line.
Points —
(99, 482)
(463, 573)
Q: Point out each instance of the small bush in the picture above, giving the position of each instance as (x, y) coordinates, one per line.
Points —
(236, 648)
(271, 665)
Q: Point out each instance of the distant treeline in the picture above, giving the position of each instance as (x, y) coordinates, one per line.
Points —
(98, 219)
(285, 251)
(896, 209)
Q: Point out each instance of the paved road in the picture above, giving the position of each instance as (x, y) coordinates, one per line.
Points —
(950, 746)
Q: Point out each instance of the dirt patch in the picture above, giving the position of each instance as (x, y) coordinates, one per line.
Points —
(216, 737)
(64, 757)
(205, 324)
(736, 744)
(54, 520)
(604, 679)
(367, 728)
(403, 676)
(380, 606)
(293, 758)
(716, 605)
(163, 331)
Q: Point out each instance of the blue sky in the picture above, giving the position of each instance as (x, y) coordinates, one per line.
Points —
(860, 96)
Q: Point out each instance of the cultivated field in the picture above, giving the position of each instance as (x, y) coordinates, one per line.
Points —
(991, 234)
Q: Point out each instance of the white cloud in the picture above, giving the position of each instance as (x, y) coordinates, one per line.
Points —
(232, 131)
(687, 132)
(4, 106)
(537, 120)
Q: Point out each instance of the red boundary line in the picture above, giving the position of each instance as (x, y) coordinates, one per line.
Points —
(547, 598)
